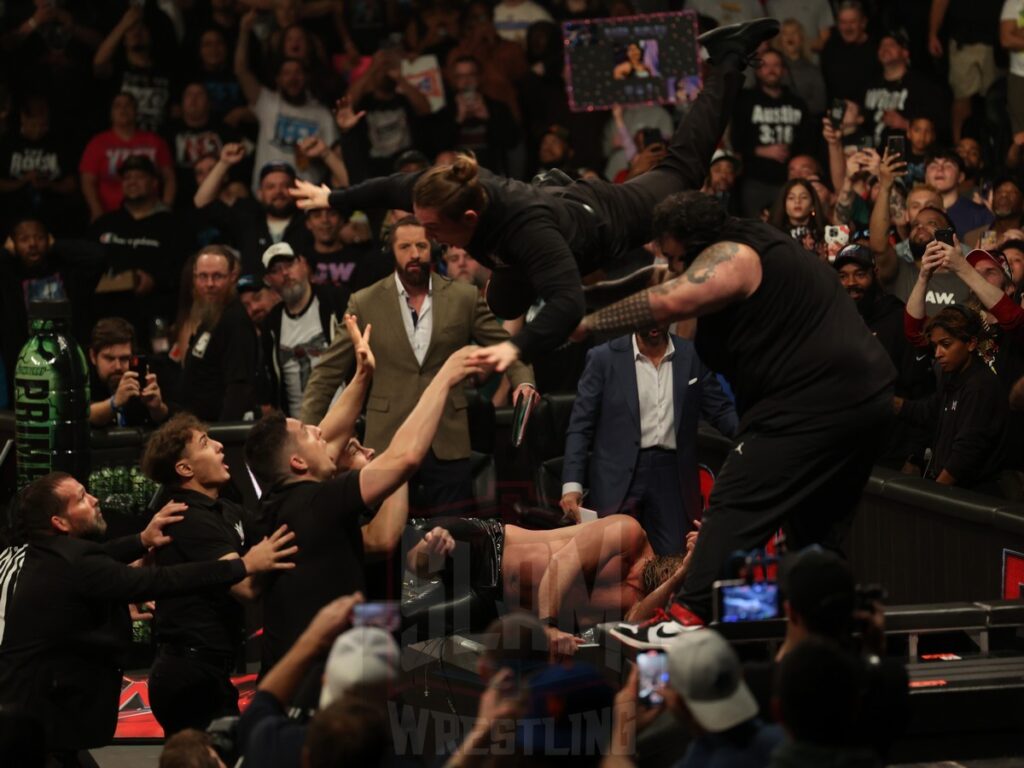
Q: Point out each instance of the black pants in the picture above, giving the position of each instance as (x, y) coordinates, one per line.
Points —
(442, 487)
(190, 693)
(655, 498)
(805, 475)
(622, 212)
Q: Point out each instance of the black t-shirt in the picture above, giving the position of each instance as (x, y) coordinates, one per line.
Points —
(797, 345)
(849, 69)
(350, 268)
(47, 157)
(212, 619)
(152, 91)
(218, 382)
(244, 225)
(155, 244)
(973, 21)
(325, 518)
(760, 120)
(913, 95)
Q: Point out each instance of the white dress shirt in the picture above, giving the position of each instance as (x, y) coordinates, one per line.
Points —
(657, 409)
(418, 333)
(654, 388)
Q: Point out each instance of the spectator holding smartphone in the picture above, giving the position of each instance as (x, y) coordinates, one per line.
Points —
(123, 395)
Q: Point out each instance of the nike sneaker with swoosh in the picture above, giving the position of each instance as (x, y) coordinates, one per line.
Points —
(658, 631)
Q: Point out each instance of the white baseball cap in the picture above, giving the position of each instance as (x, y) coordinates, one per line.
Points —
(705, 671)
(362, 656)
(277, 251)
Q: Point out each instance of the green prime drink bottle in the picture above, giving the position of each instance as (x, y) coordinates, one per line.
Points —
(51, 397)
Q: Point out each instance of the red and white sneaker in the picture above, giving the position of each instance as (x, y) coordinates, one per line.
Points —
(659, 630)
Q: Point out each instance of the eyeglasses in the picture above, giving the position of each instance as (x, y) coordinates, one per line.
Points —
(209, 277)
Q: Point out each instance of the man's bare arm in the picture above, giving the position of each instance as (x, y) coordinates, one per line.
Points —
(382, 534)
(721, 275)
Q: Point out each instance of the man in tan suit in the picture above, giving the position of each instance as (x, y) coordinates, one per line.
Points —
(419, 319)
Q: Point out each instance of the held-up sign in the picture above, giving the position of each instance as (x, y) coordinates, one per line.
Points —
(648, 59)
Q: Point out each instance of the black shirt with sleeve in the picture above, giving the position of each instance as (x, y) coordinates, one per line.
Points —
(66, 629)
(325, 517)
(969, 413)
(244, 225)
(797, 345)
(210, 620)
(543, 233)
(761, 120)
(219, 381)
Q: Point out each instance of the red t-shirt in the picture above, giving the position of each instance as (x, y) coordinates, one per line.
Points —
(106, 151)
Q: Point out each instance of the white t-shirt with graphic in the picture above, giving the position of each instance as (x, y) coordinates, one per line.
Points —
(299, 348)
(282, 126)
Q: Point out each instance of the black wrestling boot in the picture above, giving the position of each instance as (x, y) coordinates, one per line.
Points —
(741, 39)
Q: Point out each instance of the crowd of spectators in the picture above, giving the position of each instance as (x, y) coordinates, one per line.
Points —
(137, 135)
(146, 155)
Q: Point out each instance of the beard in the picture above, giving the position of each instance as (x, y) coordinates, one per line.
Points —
(867, 300)
(95, 531)
(206, 313)
(416, 277)
(917, 248)
(281, 210)
(292, 292)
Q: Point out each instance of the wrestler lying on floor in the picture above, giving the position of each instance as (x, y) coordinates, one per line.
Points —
(573, 578)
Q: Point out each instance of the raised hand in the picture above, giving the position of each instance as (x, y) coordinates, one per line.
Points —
(344, 116)
(366, 363)
(331, 620)
(232, 153)
(309, 196)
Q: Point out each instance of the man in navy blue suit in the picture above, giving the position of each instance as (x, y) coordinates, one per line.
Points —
(636, 409)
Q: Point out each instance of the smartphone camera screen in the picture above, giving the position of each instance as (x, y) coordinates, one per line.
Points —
(652, 677)
(749, 602)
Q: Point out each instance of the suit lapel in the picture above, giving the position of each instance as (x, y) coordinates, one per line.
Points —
(439, 311)
(394, 305)
(680, 379)
(625, 371)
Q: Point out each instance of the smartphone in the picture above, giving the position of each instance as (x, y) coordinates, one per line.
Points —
(866, 142)
(837, 112)
(896, 146)
(652, 677)
(650, 137)
(837, 235)
(385, 614)
(944, 236)
(741, 600)
(140, 365)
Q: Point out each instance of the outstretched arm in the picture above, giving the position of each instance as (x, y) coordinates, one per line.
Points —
(722, 274)
(412, 440)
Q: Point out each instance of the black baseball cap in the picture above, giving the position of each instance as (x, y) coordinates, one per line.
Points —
(138, 163)
(278, 166)
(899, 36)
(248, 284)
(855, 254)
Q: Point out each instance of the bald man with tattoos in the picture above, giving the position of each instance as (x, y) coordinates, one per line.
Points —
(813, 388)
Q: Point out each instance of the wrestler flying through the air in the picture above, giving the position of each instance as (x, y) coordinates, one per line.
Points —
(540, 240)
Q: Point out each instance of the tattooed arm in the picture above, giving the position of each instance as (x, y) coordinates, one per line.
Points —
(721, 275)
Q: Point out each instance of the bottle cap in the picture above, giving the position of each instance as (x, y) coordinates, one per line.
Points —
(49, 310)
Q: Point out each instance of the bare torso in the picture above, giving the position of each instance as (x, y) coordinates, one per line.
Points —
(608, 582)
